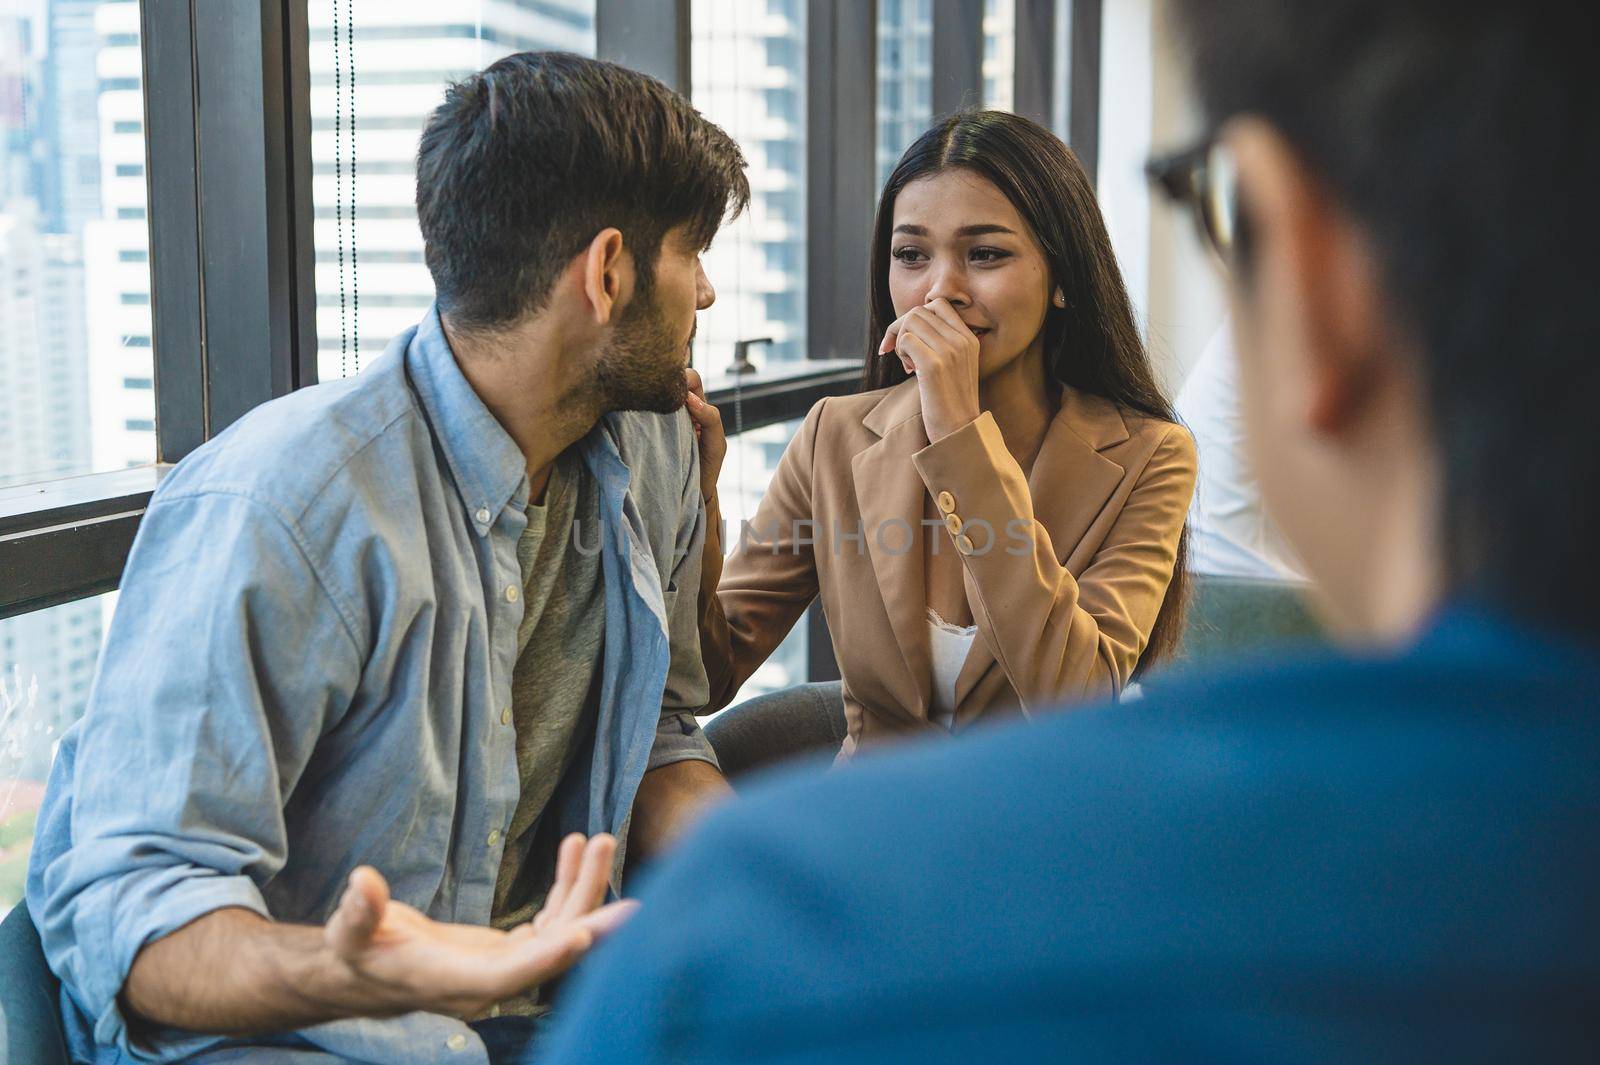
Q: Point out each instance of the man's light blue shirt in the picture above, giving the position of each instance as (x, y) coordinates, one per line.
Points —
(307, 672)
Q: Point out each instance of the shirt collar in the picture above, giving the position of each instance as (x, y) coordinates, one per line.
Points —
(488, 467)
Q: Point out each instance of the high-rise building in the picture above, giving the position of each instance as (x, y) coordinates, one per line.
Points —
(116, 251)
(999, 53)
(748, 75)
(68, 142)
(44, 416)
(47, 658)
(18, 104)
(44, 429)
(371, 280)
(905, 78)
(44, 387)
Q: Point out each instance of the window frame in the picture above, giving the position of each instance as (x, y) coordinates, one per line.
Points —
(232, 308)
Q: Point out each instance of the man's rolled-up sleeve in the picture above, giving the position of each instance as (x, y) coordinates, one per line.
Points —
(225, 662)
(678, 735)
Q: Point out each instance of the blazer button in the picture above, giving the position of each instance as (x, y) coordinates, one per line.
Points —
(511, 593)
(953, 523)
(947, 502)
(964, 544)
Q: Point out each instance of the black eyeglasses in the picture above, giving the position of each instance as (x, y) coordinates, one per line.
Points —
(1203, 179)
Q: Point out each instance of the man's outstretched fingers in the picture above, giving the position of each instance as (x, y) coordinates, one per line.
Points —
(590, 889)
(349, 931)
(569, 859)
(609, 918)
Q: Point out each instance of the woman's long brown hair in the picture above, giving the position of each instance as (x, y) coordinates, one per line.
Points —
(1093, 344)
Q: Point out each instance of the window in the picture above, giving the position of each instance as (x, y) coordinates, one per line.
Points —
(999, 53)
(77, 390)
(905, 78)
(752, 459)
(782, 256)
(748, 76)
(783, 155)
(47, 660)
(781, 306)
(69, 243)
(370, 277)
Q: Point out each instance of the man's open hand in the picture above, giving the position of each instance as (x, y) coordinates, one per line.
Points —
(407, 961)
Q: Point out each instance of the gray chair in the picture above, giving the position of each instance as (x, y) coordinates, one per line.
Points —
(1227, 617)
(806, 719)
(1232, 616)
(30, 1010)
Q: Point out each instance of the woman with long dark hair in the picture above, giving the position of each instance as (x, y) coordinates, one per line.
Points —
(996, 522)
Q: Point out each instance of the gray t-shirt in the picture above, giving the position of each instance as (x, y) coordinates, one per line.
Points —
(554, 685)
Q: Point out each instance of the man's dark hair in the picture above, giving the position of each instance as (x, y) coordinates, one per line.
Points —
(526, 161)
(1460, 134)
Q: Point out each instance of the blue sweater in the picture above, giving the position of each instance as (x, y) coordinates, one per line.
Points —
(1335, 858)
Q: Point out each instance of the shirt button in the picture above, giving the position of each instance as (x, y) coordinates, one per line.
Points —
(456, 1042)
(511, 593)
(964, 544)
(947, 502)
(953, 523)
(505, 716)
(483, 515)
(494, 836)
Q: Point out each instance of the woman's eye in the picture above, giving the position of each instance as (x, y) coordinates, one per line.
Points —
(989, 255)
(907, 255)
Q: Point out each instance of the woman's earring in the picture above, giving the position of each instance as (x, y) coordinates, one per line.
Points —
(1061, 299)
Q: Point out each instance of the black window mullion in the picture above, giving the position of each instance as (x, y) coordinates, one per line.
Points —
(254, 235)
(177, 324)
(294, 62)
(841, 140)
(957, 55)
(1083, 87)
(651, 36)
(1035, 61)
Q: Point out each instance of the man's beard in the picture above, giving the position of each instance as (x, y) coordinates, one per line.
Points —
(642, 365)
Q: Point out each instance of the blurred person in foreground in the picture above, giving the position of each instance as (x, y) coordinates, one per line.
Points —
(1381, 854)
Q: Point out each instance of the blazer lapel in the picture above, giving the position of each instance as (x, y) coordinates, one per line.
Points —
(890, 497)
(1070, 484)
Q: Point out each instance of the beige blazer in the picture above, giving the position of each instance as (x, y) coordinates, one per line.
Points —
(1065, 570)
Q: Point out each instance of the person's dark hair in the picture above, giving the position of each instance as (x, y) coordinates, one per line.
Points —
(1093, 344)
(523, 163)
(1459, 135)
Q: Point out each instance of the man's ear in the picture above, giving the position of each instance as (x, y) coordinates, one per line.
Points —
(607, 274)
(1315, 272)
